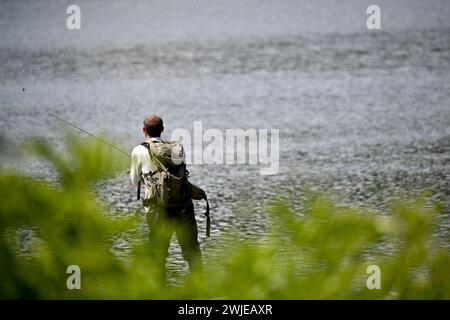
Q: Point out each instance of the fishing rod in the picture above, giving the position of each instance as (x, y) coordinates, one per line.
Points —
(90, 134)
(102, 140)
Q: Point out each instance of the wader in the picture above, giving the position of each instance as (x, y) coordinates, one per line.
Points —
(163, 222)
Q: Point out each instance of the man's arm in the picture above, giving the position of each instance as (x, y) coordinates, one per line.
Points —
(136, 167)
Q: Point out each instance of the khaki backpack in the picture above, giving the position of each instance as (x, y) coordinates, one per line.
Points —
(168, 186)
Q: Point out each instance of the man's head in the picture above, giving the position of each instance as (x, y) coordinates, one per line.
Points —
(153, 126)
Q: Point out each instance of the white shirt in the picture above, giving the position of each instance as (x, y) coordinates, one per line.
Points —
(140, 162)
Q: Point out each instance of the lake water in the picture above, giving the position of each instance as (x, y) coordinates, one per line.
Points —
(363, 115)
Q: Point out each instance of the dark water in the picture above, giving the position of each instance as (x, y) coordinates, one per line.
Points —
(364, 116)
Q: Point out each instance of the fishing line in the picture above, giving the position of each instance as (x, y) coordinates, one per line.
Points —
(90, 134)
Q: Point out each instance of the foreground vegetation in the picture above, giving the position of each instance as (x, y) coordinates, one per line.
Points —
(323, 253)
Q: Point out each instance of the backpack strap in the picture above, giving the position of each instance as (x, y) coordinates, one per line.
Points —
(138, 191)
(154, 158)
(208, 219)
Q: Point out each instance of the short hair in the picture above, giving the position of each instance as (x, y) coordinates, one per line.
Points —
(153, 125)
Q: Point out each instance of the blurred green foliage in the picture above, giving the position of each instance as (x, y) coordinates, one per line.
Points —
(322, 253)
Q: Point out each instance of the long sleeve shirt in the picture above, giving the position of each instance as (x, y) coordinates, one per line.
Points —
(140, 163)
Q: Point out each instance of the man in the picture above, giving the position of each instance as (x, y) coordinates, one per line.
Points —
(164, 221)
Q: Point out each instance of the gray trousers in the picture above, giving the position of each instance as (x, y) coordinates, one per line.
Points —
(163, 222)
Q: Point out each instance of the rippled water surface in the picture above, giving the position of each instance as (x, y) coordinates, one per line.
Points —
(364, 116)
